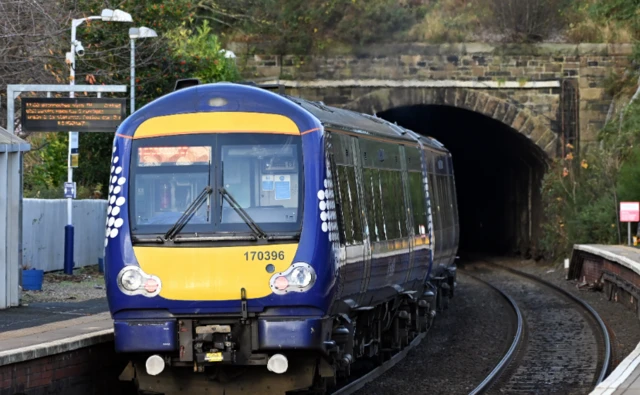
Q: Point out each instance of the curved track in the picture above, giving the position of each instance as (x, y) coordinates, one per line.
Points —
(357, 384)
(563, 346)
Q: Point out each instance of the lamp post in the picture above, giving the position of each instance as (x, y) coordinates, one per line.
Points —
(134, 33)
(107, 15)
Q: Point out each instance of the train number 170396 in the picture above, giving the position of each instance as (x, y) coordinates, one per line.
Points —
(264, 256)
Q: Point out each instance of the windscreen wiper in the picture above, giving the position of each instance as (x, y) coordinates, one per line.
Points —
(241, 213)
(188, 213)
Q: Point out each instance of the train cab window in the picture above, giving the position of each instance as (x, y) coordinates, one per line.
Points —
(166, 179)
(262, 173)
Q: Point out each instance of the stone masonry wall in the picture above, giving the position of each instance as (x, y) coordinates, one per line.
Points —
(588, 64)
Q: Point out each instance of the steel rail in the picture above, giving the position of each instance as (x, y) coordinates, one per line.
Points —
(508, 356)
(594, 314)
(380, 370)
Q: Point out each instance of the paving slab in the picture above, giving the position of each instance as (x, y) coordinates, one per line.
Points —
(54, 338)
(37, 314)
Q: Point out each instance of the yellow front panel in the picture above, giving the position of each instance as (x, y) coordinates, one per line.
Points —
(216, 122)
(214, 273)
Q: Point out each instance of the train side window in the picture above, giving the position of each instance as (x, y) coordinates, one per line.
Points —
(416, 191)
(401, 206)
(356, 211)
(391, 188)
(345, 207)
(368, 186)
(350, 208)
(378, 204)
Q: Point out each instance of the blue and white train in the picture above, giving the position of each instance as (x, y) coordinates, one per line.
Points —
(261, 243)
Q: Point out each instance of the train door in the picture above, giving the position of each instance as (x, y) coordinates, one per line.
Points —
(436, 201)
(362, 217)
(408, 212)
(349, 213)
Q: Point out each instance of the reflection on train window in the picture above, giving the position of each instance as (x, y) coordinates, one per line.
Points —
(167, 180)
(416, 192)
(262, 177)
(161, 198)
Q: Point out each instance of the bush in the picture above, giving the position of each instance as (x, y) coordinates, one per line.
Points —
(580, 203)
(527, 20)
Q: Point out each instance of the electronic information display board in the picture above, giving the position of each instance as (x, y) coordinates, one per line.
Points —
(90, 114)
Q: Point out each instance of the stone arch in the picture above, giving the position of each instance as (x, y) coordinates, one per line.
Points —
(534, 126)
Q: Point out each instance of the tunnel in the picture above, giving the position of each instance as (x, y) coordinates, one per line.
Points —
(498, 174)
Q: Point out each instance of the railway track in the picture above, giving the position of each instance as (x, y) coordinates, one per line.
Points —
(357, 384)
(560, 344)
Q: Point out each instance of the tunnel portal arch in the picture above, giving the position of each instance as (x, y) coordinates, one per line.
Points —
(500, 155)
(536, 128)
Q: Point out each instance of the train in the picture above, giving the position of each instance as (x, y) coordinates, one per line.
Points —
(258, 242)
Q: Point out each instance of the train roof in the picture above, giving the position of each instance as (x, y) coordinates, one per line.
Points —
(328, 116)
(362, 123)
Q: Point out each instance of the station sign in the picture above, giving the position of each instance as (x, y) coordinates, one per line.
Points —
(629, 211)
(70, 190)
(90, 114)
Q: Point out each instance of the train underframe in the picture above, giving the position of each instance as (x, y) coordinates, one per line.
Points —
(240, 355)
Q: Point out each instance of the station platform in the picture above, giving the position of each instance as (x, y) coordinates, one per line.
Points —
(617, 268)
(66, 346)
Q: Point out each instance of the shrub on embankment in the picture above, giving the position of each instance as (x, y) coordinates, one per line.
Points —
(581, 193)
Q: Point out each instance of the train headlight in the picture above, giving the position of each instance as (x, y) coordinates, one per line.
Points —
(133, 281)
(299, 277)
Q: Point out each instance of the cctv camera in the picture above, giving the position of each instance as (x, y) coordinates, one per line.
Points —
(79, 48)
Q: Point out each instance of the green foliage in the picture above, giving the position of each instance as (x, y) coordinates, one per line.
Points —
(201, 51)
(302, 26)
(629, 177)
(185, 47)
(581, 197)
(45, 166)
(579, 203)
(621, 12)
(450, 21)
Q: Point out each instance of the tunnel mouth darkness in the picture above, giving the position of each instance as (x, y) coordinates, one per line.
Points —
(498, 174)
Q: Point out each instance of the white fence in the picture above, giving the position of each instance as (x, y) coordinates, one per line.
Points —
(43, 222)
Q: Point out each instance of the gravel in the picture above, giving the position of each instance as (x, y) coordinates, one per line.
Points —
(561, 353)
(86, 283)
(623, 324)
(465, 344)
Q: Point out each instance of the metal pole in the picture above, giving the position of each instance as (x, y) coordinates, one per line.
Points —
(68, 230)
(629, 231)
(133, 76)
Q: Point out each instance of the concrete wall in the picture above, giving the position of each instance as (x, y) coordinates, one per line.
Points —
(43, 223)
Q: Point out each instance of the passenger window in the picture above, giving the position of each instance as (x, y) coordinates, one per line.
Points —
(416, 190)
(369, 199)
(349, 205)
(393, 203)
(378, 204)
(354, 199)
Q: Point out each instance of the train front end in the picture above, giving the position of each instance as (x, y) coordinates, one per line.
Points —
(211, 275)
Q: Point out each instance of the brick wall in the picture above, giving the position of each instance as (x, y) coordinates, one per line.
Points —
(589, 64)
(87, 371)
(594, 267)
